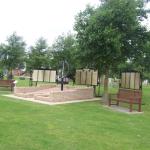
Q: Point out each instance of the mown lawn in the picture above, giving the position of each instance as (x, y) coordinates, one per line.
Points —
(80, 126)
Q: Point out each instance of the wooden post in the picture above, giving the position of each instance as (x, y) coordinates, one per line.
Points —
(131, 108)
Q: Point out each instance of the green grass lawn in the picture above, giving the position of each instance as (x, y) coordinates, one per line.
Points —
(79, 126)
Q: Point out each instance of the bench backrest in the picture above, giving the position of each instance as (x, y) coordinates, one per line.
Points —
(128, 93)
(6, 82)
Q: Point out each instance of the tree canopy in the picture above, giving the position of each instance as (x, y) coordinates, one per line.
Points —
(64, 49)
(111, 33)
(12, 54)
(38, 55)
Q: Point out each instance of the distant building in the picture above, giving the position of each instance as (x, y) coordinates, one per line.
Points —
(18, 72)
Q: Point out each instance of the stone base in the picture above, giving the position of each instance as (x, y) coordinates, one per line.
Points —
(54, 94)
(122, 109)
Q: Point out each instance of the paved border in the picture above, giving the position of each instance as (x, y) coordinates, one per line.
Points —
(122, 109)
(50, 103)
(113, 107)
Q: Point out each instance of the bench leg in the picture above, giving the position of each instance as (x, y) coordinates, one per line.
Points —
(109, 102)
(117, 103)
(139, 109)
(12, 88)
(131, 107)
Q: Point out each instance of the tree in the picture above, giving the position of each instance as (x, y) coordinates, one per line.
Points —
(144, 62)
(12, 53)
(64, 49)
(111, 34)
(39, 56)
(146, 58)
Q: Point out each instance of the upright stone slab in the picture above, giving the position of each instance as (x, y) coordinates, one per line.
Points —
(47, 76)
(41, 75)
(89, 77)
(132, 80)
(123, 80)
(137, 81)
(127, 80)
(53, 76)
(83, 77)
(35, 75)
(94, 77)
(78, 77)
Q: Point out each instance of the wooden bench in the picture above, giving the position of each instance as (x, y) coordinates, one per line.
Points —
(127, 96)
(7, 83)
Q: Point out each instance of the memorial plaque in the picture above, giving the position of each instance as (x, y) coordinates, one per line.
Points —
(137, 81)
(47, 76)
(52, 76)
(78, 77)
(132, 80)
(94, 77)
(89, 77)
(123, 80)
(35, 75)
(83, 77)
(41, 75)
(127, 80)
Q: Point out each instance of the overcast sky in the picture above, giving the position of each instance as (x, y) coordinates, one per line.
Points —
(35, 18)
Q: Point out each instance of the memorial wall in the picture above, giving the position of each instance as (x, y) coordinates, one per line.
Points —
(44, 76)
(131, 80)
(86, 77)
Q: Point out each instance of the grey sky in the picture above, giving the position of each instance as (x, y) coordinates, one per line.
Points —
(35, 18)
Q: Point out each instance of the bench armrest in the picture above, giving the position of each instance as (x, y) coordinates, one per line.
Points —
(135, 97)
(113, 96)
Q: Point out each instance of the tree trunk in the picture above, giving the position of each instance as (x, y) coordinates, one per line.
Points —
(105, 96)
(10, 74)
